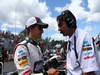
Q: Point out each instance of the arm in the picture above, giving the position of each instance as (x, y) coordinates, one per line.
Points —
(88, 63)
(22, 60)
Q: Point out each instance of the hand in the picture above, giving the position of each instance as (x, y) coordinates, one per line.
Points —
(57, 73)
(53, 71)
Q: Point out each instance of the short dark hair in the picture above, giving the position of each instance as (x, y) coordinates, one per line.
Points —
(68, 17)
(27, 30)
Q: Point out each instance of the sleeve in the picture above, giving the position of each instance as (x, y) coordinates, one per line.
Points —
(88, 58)
(22, 61)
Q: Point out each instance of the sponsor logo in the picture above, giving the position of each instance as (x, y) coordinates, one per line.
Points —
(21, 52)
(87, 45)
(88, 48)
(28, 72)
(88, 57)
(23, 63)
(22, 58)
(85, 42)
(88, 54)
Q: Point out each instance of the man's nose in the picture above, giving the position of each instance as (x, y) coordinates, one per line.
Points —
(59, 29)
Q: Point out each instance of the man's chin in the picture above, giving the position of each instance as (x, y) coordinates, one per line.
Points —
(64, 35)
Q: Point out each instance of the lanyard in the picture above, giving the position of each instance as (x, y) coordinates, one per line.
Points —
(75, 47)
(69, 49)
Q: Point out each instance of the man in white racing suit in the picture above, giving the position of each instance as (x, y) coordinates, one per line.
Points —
(28, 53)
(80, 54)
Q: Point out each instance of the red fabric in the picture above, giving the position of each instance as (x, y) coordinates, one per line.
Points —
(28, 72)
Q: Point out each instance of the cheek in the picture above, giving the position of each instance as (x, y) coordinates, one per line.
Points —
(64, 28)
(39, 33)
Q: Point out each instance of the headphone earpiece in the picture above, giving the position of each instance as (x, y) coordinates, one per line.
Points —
(68, 17)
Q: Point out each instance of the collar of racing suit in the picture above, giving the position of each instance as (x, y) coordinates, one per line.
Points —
(29, 40)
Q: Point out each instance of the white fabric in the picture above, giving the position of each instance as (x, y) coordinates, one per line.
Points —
(86, 58)
(33, 56)
(31, 21)
(38, 74)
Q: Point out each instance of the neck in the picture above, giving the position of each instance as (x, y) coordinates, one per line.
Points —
(32, 37)
(72, 32)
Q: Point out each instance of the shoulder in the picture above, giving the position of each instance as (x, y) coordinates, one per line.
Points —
(83, 34)
(21, 44)
(20, 48)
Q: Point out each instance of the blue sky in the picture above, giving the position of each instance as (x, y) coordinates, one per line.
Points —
(17, 12)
